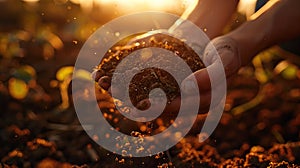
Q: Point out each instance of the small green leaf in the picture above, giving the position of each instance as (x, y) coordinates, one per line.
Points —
(17, 88)
(290, 72)
(82, 74)
(25, 73)
(286, 69)
(64, 72)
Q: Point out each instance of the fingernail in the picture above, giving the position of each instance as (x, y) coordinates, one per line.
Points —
(96, 74)
(104, 82)
(227, 57)
(188, 86)
(144, 104)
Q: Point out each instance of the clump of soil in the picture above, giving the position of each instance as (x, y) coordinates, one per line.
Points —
(195, 154)
(150, 78)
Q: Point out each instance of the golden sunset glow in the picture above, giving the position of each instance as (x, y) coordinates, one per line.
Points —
(126, 6)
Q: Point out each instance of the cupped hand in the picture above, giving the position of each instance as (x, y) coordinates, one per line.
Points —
(220, 54)
(222, 60)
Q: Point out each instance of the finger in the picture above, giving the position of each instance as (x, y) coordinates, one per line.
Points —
(190, 101)
(207, 100)
(106, 105)
(104, 82)
(105, 101)
(174, 106)
(197, 126)
(224, 49)
(221, 62)
(144, 104)
(170, 110)
(204, 79)
(230, 63)
(104, 97)
(97, 74)
(189, 86)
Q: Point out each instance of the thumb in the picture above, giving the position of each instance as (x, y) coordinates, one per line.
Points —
(223, 49)
(198, 80)
(205, 79)
(222, 59)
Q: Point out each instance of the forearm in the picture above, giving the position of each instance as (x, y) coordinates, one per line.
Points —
(212, 15)
(279, 23)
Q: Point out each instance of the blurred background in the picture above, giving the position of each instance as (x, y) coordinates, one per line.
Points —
(39, 43)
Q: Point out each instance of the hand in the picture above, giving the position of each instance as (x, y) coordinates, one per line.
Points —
(226, 48)
(220, 55)
(229, 59)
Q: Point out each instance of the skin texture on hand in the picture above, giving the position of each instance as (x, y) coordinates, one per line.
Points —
(213, 15)
(220, 52)
(278, 23)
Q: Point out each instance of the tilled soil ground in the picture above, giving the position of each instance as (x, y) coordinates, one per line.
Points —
(34, 133)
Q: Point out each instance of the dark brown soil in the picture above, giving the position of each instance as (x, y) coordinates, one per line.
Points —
(148, 79)
(145, 80)
(35, 134)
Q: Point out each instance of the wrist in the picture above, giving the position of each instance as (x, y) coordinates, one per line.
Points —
(250, 39)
